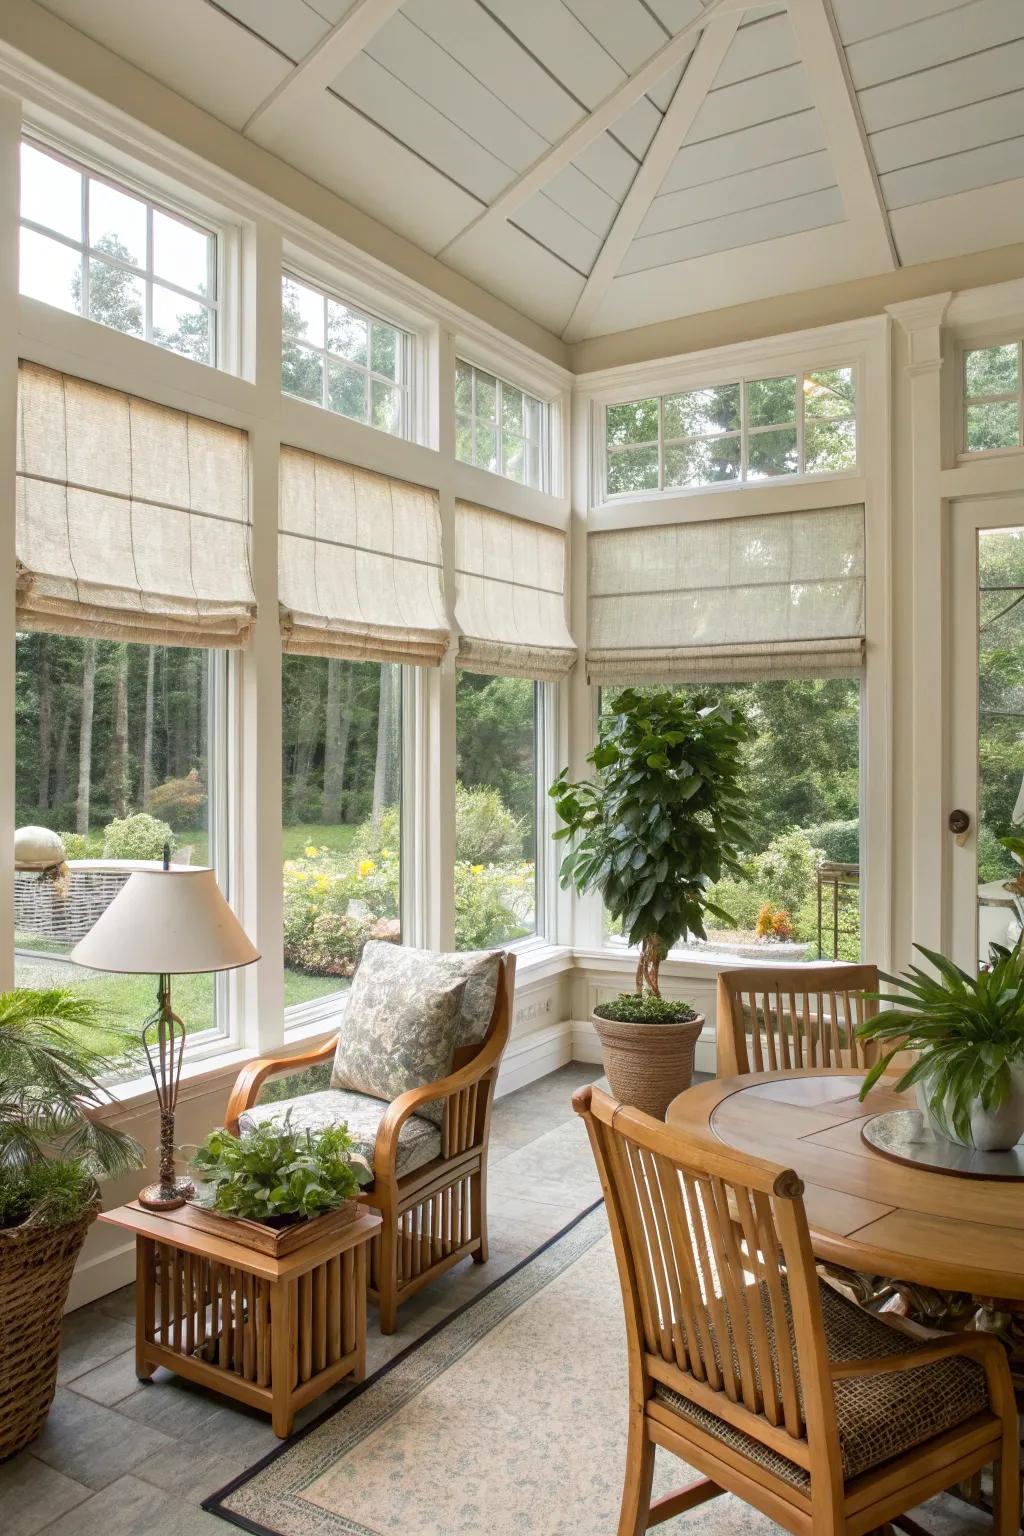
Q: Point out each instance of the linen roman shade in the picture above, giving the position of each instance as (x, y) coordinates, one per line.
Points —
(738, 599)
(510, 596)
(133, 519)
(360, 564)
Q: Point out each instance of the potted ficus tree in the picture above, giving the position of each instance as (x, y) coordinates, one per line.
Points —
(661, 820)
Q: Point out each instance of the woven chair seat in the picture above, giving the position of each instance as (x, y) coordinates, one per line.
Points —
(880, 1416)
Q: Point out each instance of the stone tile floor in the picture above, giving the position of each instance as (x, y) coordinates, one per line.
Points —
(121, 1458)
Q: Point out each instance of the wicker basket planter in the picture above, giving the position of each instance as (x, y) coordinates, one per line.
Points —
(648, 1064)
(36, 1262)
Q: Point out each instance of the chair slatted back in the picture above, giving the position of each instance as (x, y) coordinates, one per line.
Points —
(778, 1018)
(717, 1274)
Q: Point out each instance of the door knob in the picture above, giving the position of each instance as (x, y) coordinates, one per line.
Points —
(959, 825)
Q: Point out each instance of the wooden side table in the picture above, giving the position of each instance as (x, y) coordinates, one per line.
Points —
(273, 1332)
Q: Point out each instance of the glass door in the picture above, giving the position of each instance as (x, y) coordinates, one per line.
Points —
(988, 725)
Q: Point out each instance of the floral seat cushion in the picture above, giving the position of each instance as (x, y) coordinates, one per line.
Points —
(408, 1011)
(419, 1141)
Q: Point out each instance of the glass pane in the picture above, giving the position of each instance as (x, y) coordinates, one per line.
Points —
(633, 469)
(302, 371)
(485, 451)
(50, 272)
(772, 453)
(183, 255)
(346, 390)
(486, 396)
(700, 412)
(1000, 730)
(533, 466)
(703, 462)
(51, 193)
(533, 418)
(117, 223)
(513, 457)
(801, 780)
(464, 388)
(385, 350)
(464, 439)
(387, 406)
(302, 312)
(116, 298)
(830, 445)
(495, 810)
(511, 408)
(347, 334)
(181, 324)
(992, 370)
(771, 402)
(634, 422)
(996, 425)
(342, 778)
(112, 750)
(829, 392)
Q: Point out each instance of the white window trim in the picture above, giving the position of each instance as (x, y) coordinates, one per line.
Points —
(965, 455)
(542, 443)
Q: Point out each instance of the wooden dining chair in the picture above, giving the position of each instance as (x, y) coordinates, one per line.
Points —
(757, 1374)
(771, 1018)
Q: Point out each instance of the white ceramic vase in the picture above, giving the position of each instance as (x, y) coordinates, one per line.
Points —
(991, 1130)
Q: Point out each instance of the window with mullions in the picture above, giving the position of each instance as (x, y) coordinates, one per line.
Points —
(98, 249)
(992, 397)
(752, 430)
(344, 359)
(498, 427)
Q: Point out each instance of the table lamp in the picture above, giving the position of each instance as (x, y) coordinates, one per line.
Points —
(164, 922)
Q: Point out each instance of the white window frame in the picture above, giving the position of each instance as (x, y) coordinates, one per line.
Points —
(405, 383)
(963, 400)
(542, 444)
(215, 260)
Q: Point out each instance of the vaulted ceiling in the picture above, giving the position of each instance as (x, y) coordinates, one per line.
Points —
(603, 164)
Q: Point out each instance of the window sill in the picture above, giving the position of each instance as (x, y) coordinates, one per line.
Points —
(680, 962)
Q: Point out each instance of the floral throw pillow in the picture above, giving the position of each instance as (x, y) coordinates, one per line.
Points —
(408, 1011)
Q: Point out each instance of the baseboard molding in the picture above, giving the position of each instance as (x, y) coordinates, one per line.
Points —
(534, 1055)
(102, 1273)
(587, 1047)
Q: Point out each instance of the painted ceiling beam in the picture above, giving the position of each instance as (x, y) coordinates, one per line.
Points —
(320, 68)
(690, 93)
(604, 116)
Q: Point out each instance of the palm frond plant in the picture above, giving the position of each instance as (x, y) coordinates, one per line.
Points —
(968, 1033)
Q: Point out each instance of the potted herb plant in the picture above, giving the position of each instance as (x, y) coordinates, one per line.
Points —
(661, 820)
(52, 1147)
(968, 1032)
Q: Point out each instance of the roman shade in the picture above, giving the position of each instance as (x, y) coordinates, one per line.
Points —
(132, 519)
(359, 564)
(738, 599)
(510, 596)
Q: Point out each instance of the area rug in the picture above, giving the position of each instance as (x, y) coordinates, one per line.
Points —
(509, 1418)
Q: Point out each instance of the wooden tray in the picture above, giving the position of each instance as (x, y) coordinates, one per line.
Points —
(275, 1241)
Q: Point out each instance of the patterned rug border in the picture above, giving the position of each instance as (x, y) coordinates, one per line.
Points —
(214, 1502)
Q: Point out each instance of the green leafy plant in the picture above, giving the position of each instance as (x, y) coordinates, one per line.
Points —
(662, 819)
(278, 1171)
(645, 1008)
(136, 837)
(968, 1032)
(180, 801)
(52, 1142)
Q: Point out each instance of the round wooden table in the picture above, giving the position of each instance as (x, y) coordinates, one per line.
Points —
(924, 1233)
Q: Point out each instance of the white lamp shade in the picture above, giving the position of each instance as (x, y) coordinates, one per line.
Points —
(167, 921)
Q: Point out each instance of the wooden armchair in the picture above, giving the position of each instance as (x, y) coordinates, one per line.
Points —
(775, 1017)
(435, 1214)
(773, 1386)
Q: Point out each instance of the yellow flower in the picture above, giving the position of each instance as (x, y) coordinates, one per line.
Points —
(385, 853)
(310, 851)
(476, 869)
(366, 867)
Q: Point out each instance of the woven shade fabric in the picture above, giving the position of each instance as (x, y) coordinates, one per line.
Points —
(360, 564)
(742, 599)
(510, 596)
(133, 519)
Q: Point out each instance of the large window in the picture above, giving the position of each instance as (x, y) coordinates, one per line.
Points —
(344, 359)
(992, 397)
(118, 750)
(802, 777)
(98, 249)
(757, 429)
(499, 427)
(342, 819)
(496, 801)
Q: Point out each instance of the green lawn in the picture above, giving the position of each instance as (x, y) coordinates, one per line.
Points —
(313, 834)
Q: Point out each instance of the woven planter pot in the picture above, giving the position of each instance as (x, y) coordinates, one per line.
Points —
(648, 1064)
(36, 1262)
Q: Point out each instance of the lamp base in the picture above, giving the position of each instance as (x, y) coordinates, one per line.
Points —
(166, 1197)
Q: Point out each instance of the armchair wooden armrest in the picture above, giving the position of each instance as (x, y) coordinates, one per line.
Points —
(984, 1349)
(252, 1077)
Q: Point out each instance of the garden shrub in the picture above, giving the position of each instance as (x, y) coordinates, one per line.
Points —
(838, 840)
(76, 845)
(493, 903)
(180, 801)
(486, 831)
(136, 837)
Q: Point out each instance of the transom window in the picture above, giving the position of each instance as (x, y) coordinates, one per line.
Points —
(344, 359)
(100, 250)
(756, 429)
(992, 397)
(498, 426)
